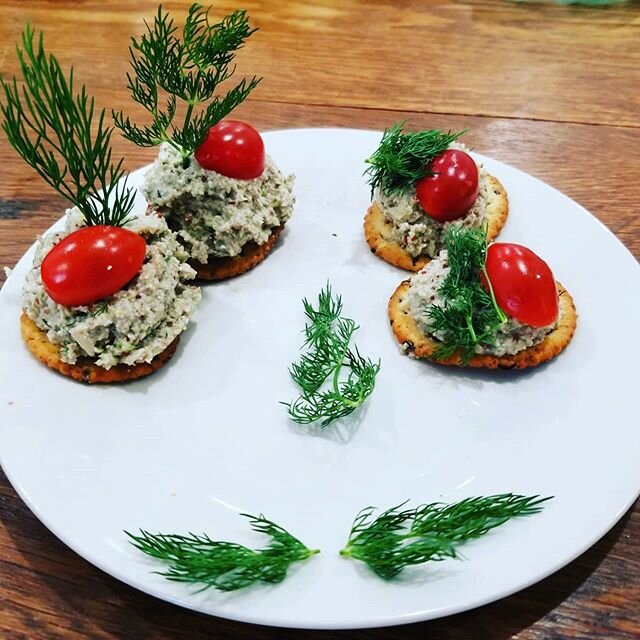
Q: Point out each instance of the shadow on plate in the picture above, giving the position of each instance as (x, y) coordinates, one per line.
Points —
(340, 431)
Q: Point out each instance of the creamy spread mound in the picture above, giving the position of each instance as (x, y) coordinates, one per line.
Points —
(510, 338)
(131, 326)
(215, 216)
(416, 232)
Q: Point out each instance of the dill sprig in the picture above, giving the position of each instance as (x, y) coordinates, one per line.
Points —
(470, 314)
(188, 70)
(50, 126)
(400, 537)
(402, 157)
(328, 335)
(226, 566)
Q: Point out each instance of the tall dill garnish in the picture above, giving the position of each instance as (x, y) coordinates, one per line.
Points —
(50, 126)
(167, 69)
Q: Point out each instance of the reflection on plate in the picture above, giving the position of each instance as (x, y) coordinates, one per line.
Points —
(205, 438)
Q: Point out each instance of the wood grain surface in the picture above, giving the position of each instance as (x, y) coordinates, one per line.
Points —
(550, 89)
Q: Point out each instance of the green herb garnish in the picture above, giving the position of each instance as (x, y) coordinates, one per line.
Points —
(470, 315)
(399, 537)
(225, 566)
(188, 70)
(50, 126)
(402, 157)
(328, 335)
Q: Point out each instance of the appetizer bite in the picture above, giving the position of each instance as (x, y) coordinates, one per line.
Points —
(106, 298)
(477, 306)
(212, 181)
(422, 184)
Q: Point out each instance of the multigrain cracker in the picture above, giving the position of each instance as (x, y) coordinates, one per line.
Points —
(85, 370)
(378, 231)
(251, 255)
(417, 344)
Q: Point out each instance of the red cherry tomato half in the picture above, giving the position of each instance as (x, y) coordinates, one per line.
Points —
(92, 263)
(234, 149)
(451, 188)
(523, 284)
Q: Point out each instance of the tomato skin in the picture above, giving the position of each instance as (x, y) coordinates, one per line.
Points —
(451, 187)
(92, 263)
(522, 283)
(234, 149)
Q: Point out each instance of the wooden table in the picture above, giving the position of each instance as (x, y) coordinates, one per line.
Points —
(550, 89)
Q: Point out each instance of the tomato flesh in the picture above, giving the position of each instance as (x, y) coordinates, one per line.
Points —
(91, 264)
(234, 149)
(522, 283)
(451, 187)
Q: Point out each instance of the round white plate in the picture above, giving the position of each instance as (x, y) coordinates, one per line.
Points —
(204, 439)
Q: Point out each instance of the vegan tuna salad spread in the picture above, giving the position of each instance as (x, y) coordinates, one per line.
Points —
(478, 305)
(423, 183)
(216, 216)
(419, 234)
(424, 292)
(136, 323)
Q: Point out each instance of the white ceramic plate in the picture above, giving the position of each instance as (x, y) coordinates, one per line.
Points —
(205, 438)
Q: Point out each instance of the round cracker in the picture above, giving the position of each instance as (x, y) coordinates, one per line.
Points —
(251, 255)
(85, 369)
(417, 344)
(379, 231)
